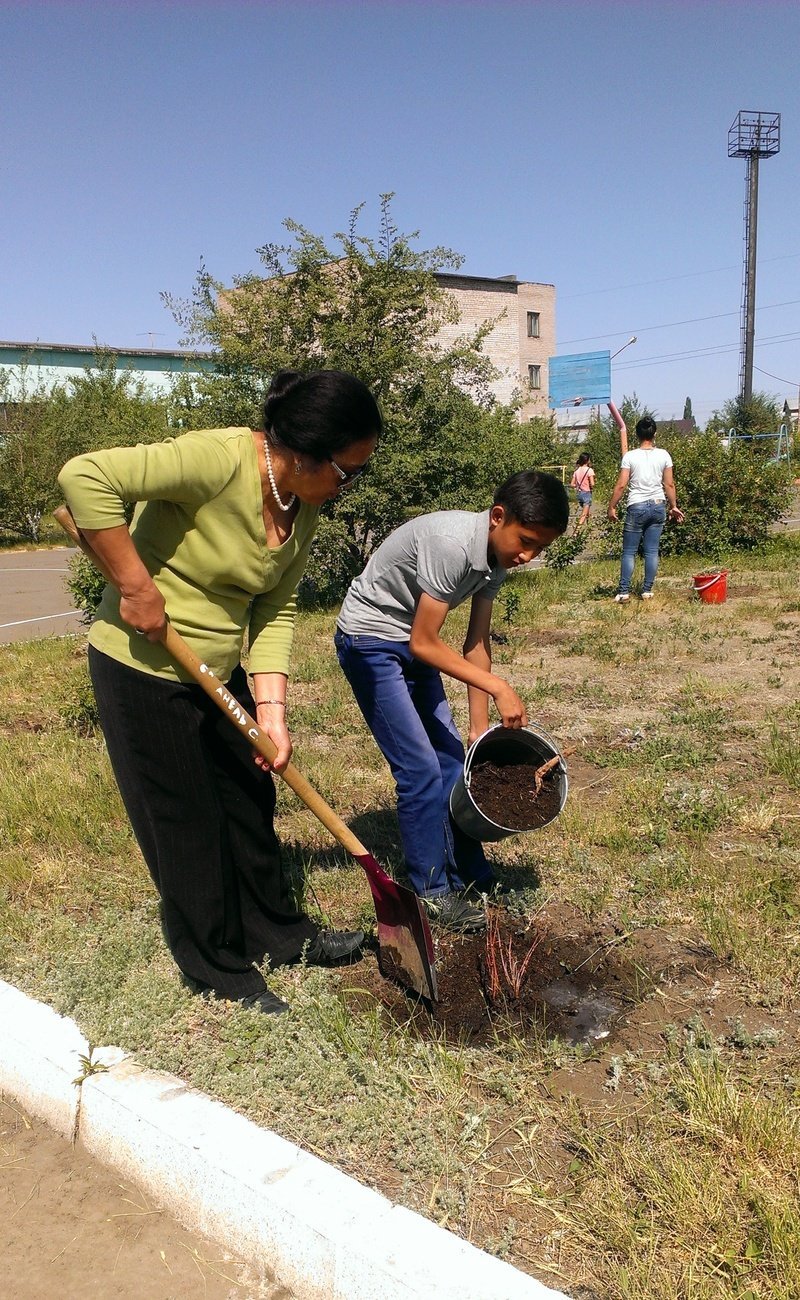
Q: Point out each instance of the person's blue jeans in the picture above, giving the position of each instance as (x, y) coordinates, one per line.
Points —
(405, 707)
(644, 524)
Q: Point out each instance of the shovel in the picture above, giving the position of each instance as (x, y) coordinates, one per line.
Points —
(404, 937)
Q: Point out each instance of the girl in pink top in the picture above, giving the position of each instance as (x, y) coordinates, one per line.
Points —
(583, 482)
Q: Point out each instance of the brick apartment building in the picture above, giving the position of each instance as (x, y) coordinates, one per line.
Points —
(522, 338)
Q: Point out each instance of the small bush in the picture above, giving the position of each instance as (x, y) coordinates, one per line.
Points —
(510, 601)
(565, 550)
(85, 584)
(608, 536)
(731, 497)
(76, 704)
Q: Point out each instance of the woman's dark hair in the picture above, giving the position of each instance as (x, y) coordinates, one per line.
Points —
(320, 413)
(646, 429)
(583, 459)
(533, 497)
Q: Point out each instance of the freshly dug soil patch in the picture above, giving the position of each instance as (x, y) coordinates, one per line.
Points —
(505, 793)
(555, 977)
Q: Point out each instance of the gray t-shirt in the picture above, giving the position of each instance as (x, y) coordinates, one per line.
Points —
(443, 554)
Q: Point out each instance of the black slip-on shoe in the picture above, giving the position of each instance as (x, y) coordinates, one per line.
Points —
(266, 1002)
(333, 946)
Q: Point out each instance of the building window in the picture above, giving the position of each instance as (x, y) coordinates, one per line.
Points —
(535, 376)
(533, 324)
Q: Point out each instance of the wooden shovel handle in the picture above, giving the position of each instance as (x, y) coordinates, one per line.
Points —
(200, 672)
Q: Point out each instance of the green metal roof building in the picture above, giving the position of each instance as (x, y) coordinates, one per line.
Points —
(46, 364)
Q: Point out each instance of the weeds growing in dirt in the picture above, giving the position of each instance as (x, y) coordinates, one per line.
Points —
(783, 755)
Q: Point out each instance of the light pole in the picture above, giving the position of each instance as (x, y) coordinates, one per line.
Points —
(632, 339)
(617, 418)
(751, 136)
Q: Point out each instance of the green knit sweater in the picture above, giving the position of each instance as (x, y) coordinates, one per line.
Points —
(199, 528)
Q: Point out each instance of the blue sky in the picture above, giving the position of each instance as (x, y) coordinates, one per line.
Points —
(579, 144)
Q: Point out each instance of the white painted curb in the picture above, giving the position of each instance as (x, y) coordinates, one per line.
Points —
(320, 1232)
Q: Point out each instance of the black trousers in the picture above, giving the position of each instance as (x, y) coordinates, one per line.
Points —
(202, 813)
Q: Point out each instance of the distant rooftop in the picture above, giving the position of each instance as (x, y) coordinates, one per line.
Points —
(92, 349)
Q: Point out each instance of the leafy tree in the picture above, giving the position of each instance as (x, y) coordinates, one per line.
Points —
(762, 414)
(546, 445)
(374, 308)
(42, 428)
(104, 407)
(28, 460)
(371, 307)
(687, 409)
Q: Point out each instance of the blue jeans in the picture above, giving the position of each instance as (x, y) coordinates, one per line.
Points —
(644, 523)
(405, 708)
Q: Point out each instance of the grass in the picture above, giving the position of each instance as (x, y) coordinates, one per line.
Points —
(662, 1162)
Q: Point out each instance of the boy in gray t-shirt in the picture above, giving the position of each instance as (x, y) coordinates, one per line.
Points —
(389, 644)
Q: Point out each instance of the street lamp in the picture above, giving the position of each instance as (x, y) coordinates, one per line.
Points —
(632, 339)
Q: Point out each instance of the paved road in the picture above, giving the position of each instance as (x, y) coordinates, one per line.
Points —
(34, 600)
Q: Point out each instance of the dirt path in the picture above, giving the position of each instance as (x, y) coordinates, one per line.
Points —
(70, 1227)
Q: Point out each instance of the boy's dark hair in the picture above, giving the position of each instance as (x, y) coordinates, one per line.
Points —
(320, 413)
(646, 429)
(533, 497)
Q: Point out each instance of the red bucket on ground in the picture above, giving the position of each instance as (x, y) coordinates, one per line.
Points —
(712, 587)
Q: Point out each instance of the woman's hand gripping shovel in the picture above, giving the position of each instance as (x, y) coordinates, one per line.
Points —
(404, 937)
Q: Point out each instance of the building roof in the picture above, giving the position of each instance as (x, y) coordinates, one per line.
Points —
(27, 351)
(509, 282)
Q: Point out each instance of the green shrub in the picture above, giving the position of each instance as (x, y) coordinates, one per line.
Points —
(608, 535)
(75, 699)
(85, 584)
(565, 550)
(731, 496)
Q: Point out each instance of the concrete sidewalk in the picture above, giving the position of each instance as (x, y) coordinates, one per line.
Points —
(287, 1213)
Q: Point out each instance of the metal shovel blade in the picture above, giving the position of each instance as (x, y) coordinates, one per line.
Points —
(404, 937)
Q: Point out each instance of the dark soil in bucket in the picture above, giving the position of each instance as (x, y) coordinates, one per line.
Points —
(506, 794)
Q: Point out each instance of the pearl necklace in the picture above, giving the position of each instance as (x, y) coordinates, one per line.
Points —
(284, 506)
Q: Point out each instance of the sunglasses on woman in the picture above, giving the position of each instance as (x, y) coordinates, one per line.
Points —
(346, 476)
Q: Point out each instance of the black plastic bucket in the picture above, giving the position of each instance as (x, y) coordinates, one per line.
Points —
(502, 745)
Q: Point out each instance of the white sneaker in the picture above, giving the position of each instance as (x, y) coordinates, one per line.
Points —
(622, 598)
(647, 595)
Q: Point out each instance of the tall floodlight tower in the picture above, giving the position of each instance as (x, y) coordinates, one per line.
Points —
(751, 136)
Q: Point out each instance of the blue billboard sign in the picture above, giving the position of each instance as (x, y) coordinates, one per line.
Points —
(581, 377)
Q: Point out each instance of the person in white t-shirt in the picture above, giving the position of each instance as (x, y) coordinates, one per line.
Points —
(647, 474)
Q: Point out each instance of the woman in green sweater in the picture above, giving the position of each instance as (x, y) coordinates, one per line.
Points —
(219, 541)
